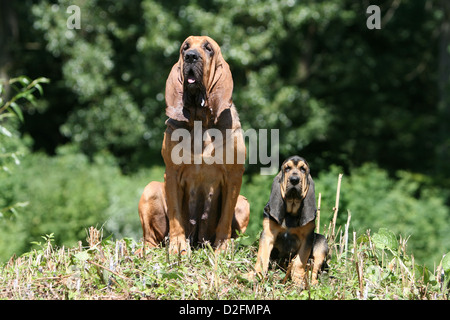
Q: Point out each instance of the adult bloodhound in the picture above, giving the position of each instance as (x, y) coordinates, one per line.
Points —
(289, 222)
(199, 199)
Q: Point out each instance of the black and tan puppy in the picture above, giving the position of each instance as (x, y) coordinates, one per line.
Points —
(289, 222)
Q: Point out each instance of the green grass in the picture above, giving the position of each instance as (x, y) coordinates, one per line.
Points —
(373, 267)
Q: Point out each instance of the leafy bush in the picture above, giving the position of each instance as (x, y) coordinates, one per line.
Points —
(12, 148)
(256, 188)
(66, 194)
(407, 204)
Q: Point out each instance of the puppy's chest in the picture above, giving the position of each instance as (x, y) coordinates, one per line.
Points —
(291, 220)
(287, 243)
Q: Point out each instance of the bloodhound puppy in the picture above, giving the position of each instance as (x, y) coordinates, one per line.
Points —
(289, 222)
(199, 199)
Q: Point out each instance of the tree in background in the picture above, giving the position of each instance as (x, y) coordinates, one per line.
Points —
(338, 92)
(12, 149)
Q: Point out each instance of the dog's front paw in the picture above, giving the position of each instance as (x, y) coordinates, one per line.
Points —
(221, 245)
(300, 281)
(177, 245)
(253, 276)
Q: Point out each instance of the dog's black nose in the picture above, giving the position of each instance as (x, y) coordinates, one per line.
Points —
(294, 180)
(191, 56)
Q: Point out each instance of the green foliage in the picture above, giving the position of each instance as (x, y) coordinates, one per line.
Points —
(12, 147)
(408, 205)
(445, 264)
(65, 195)
(256, 188)
(385, 239)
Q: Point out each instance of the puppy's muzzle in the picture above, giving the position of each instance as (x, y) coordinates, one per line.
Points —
(294, 180)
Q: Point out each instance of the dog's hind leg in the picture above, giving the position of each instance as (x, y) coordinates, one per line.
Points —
(153, 214)
(319, 255)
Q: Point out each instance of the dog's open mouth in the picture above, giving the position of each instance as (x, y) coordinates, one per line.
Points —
(192, 74)
(190, 77)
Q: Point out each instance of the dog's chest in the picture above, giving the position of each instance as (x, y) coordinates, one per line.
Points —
(202, 196)
(194, 176)
(287, 245)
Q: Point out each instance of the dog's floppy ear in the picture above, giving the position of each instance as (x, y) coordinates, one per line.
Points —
(174, 93)
(308, 207)
(275, 208)
(218, 82)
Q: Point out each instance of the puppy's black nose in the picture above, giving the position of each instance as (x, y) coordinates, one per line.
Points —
(191, 56)
(294, 180)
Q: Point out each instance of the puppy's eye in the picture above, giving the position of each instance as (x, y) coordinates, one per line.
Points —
(186, 46)
(287, 169)
(302, 169)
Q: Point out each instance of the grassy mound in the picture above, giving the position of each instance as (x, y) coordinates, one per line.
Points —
(365, 267)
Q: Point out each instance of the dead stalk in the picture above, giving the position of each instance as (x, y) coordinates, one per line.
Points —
(332, 228)
(318, 214)
(359, 265)
(345, 247)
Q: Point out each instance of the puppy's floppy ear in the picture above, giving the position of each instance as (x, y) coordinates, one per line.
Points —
(275, 208)
(308, 207)
(282, 183)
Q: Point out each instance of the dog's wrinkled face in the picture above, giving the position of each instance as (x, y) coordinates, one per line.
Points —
(196, 53)
(200, 84)
(294, 184)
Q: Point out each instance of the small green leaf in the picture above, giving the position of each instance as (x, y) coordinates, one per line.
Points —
(17, 110)
(422, 271)
(446, 262)
(82, 256)
(385, 239)
(39, 88)
(170, 275)
(5, 132)
(22, 204)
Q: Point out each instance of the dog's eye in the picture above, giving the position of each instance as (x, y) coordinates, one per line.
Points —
(186, 46)
(287, 169)
(208, 48)
(302, 169)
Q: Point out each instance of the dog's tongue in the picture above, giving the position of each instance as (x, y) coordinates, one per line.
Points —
(191, 80)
